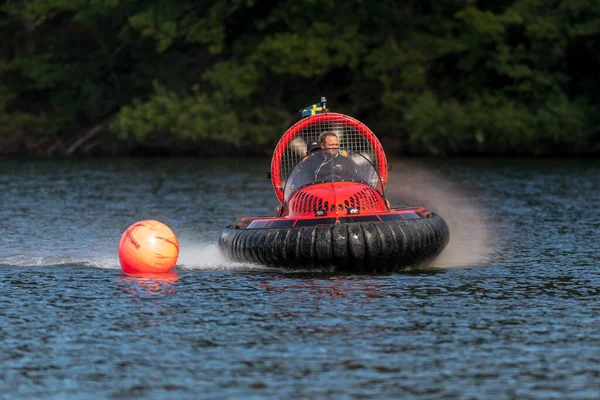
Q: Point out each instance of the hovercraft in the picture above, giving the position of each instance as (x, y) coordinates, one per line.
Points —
(333, 212)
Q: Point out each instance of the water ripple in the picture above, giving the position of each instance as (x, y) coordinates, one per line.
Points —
(522, 322)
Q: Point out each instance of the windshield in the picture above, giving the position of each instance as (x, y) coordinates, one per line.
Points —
(332, 165)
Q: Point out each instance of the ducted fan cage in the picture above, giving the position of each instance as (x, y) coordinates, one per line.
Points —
(352, 134)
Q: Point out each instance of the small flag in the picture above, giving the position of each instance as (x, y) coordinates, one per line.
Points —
(312, 110)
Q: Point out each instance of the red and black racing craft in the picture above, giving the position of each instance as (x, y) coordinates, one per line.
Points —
(333, 215)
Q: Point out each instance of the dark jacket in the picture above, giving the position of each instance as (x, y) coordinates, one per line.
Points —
(319, 167)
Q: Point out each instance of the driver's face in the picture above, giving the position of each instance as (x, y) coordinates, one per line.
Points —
(331, 142)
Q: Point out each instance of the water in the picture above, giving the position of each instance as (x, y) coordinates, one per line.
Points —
(512, 313)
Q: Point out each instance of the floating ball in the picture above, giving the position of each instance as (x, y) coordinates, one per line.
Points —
(148, 247)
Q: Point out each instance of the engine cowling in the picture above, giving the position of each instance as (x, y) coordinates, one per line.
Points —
(334, 198)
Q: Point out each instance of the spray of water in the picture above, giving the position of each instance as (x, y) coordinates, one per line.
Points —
(206, 256)
(413, 184)
(199, 255)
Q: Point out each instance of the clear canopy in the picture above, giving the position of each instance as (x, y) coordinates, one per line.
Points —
(332, 165)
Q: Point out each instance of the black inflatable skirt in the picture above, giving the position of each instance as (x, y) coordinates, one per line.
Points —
(381, 246)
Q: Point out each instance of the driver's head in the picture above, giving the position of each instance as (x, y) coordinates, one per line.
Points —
(329, 142)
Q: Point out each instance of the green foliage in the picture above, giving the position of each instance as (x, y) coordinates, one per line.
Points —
(169, 118)
(13, 124)
(441, 77)
(492, 124)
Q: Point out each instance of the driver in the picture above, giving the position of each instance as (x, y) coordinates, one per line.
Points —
(330, 163)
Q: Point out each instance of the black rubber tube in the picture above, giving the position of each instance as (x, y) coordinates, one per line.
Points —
(359, 247)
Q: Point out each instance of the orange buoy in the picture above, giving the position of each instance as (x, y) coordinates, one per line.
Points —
(148, 247)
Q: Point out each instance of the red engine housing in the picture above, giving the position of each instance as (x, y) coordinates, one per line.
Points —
(334, 199)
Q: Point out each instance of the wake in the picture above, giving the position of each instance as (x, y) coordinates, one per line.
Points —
(412, 184)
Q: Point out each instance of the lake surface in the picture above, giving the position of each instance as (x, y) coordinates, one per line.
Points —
(512, 312)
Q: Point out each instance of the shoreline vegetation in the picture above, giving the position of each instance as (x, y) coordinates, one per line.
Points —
(97, 146)
(219, 78)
